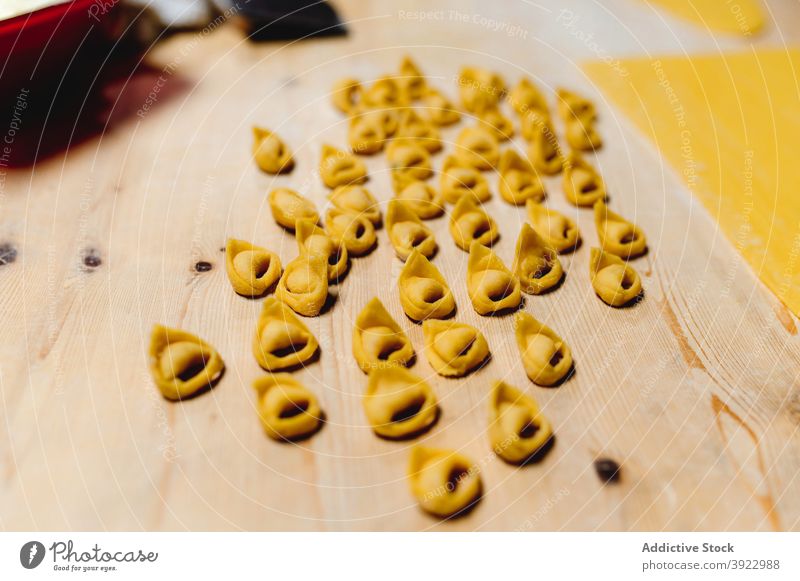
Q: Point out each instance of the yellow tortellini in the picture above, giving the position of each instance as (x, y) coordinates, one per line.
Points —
(441, 111)
(573, 105)
(282, 341)
(424, 293)
(398, 404)
(536, 263)
(315, 241)
(579, 117)
(454, 349)
(519, 182)
(525, 96)
(251, 269)
(409, 160)
(546, 358)
(478, 148)
(414, 128)
(355, 199)
(346, 94)
(407, 232)
(385, 92)
(378, 341)
(365, 133)
(480, 89)
(618, 235)
(517, 429)
(420, 197)
(288, 410)
(582, 135)
(288, 206)
(353, 231)
(470, 223)
(492, 288)
(444, 482)
(182, 365)
(339, 168)
(412, 79)
(583, 186)
(270, 152)
(459, 178)
(614, 280)
(544, 151)
(304, 285)
(557, 230)
(493, 121)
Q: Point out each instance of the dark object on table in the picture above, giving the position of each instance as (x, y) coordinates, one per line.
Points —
(607, 470)
(288, 19)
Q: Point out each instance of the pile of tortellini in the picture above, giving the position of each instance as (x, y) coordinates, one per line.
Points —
(401, 115)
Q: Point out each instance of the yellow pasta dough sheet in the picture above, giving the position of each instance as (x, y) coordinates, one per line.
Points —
(743, 17)
(730, 126)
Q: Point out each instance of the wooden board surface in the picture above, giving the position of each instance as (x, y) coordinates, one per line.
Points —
(693, 391)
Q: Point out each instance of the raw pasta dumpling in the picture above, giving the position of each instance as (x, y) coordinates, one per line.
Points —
(288, 206)
(493, 121)
(525, 96)
(409, 160)
(544, 151)
(547, 359)
(618, 235)
(480, 89)
(407, 232)
(414, 128)
(583, 186)
(470, 223)
(182, 364)
(282, 340)
(386, 92)
(614, 280)
(315, 241)
(558, 231)
(519, 182)
(355, 199)
(441, 111)
(270, 152)
(288, 410)
(378, 341)
(346, 94)
(536, 263)
(252, 270)
(365, 133)
(353, 231)
(424, 293)
(492, 288)
(304, 285)
(519, 432)
(454, 349)
(398, 404)
(420, 197)
(339, 168)
(478, 148)
(444, 482)
(412, 79)
(459, 178)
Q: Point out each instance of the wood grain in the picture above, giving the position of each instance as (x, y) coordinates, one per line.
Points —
(693, 391)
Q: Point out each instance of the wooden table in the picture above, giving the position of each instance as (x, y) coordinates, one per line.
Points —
(693, 391)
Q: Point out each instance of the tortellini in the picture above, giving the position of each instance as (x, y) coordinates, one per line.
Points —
(407, 232)
(424, 293)
(251, 269)
(398, 404)
(182, 365)
(315, 241)
(478, 148)
(378, 341)
(454, 349)
(558, 231)
(614, 280)
(519, 182)
(304, 285)
(288, 410)
(480, 89)
(525, 96)
(444, 482)
(414, 128)
(492, 288)
(573, 105)
(288, 206)
(536, 263)
(282, 341)
(616, 234)
(493, 121)
(339, 168)
(517, 429)
(411, 79)
(441, 111)
(583, 186)
(470, 223)
(579, 117)
(385, 92)
(420, 197)
(543, 151)
(365, 133)
(270, 152)
(346, 94)
(358, 200)
(546, 358)
(353, 231)
(409, 160)
(459, 178)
